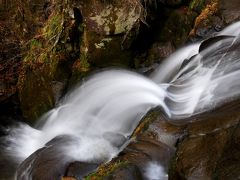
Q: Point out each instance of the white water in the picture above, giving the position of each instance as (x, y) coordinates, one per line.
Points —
(154, 171)
(102, 113)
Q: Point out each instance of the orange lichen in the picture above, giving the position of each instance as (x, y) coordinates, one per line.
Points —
(203, 20)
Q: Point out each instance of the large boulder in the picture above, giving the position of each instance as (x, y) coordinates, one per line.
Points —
(76, 38)
(230, 10)
(202, 153)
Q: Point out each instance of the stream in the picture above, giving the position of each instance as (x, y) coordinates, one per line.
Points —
(94, 122)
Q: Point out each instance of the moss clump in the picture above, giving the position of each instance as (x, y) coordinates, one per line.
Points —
(197, 5)
(204, 19)
(106, 169)
(53, 27)
(41, 67)
(35, 44)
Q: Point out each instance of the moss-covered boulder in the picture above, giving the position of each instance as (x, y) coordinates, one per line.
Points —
(110, 28)
(76, 38)
(207, 22)
(46, 62)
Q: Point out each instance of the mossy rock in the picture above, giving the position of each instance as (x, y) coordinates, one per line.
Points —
(105, 171)
(108, 31)
(46, 62)
(36, 96)
(197, 5)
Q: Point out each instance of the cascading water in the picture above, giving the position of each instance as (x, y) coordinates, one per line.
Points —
(96, 119)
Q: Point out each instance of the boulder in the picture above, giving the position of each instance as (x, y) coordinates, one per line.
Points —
(201, 154)
(229, 10)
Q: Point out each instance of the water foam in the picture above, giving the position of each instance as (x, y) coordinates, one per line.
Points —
(154, 171)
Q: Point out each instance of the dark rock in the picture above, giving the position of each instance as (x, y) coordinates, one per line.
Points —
(209, 42)
(230, 10)
(128, 172)
(204, 30)
(152, 150)
(58, 89)
(173, 2)
(159, 51)
(177, 26)
(49, 162)
(229, 165)
(36, 95)
(199, 153)
(80, 169)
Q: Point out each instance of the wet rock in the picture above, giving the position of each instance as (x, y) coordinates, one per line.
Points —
(136, 159)
(214, 16)
(198, 155)
(80, 169)
(128, 172)
(230, 10)
(58, 88)
(204, 30)
(46, 163)
(207, 22)
(145, 150)
(162, 131)
(209, 42)
(229, 165)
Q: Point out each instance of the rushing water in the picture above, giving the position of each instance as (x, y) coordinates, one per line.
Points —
(97, 118)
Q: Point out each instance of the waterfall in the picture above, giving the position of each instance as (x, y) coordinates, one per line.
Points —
(99, 115)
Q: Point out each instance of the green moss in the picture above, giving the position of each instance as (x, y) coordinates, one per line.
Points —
(53, 27)
(197, 5)
(34, 43)
(106, 170)
(40, 69)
